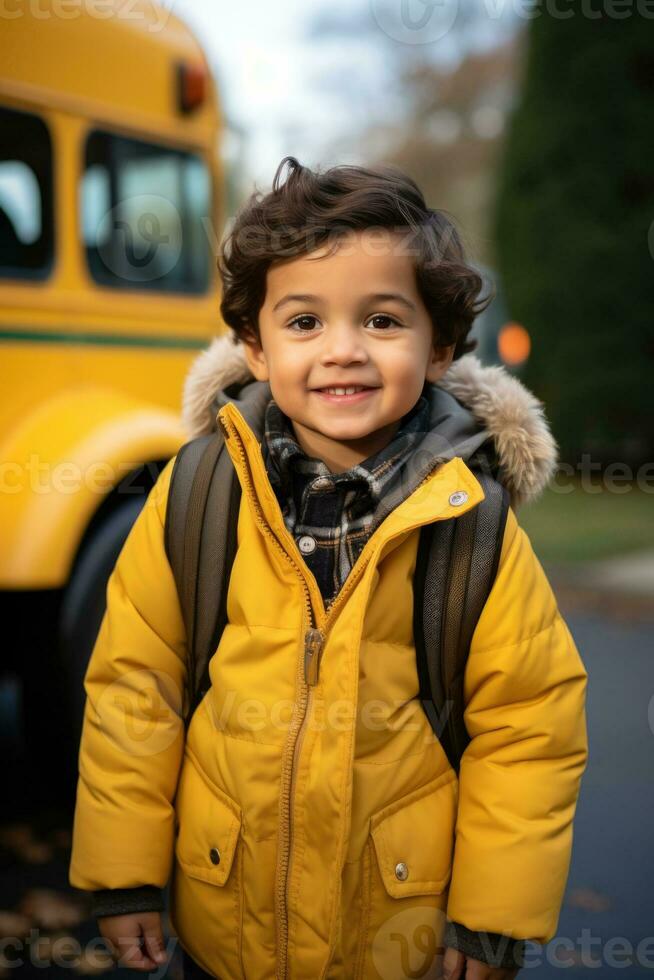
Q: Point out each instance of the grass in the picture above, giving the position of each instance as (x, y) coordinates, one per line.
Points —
(572, 524)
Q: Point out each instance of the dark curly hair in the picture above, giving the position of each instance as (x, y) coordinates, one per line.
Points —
(311, 208)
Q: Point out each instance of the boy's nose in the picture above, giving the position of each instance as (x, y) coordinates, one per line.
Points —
(342, 345)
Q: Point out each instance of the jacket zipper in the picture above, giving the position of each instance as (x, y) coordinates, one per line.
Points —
(314, 641)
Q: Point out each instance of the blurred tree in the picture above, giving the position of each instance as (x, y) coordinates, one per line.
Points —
(453, 134)
(436, 109)
(573, 227)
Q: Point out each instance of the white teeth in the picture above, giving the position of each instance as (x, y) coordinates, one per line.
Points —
(342, 391)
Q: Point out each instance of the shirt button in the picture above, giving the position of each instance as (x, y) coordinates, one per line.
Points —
(459, 497)
(306, 544)
(322, 483)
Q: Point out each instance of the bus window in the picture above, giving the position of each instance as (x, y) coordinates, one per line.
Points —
(143, 210)
(26, 232)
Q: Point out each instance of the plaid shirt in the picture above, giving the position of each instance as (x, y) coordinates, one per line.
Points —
(332, 515)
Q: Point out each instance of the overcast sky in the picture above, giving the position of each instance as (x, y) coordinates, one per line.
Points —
(259, 56)
(295, 88)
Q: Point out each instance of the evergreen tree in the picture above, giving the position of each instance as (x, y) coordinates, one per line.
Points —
(574, 225)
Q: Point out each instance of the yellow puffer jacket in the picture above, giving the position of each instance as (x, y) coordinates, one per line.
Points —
(312, 823)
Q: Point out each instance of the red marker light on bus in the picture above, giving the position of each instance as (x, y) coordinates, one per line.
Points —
(191, 86)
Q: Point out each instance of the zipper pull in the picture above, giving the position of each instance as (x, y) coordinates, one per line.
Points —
(313, 642)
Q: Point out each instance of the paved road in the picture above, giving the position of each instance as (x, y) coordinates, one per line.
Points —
(608, 915)
(607, 921)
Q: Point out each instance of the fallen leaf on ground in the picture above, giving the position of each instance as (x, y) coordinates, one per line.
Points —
(13, 924)
(93, 962)
(51, 909)
(16, 835)
(37, 852)
(61, 837)
(588, 899)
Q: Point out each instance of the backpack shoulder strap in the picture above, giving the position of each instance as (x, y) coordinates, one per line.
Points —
(200, 537)
(456, 565)
(204, 492)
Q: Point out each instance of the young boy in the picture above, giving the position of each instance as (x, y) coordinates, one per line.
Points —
(312, 821)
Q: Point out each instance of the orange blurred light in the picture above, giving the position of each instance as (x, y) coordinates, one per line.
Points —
(513, 343)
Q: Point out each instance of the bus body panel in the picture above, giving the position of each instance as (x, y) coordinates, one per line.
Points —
(60, 462)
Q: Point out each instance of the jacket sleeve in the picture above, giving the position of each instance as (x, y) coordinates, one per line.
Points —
(489, 947)
(524, 693)
(133, 734)
(122, 901)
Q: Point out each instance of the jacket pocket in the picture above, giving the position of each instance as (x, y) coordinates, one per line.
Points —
(207, 894)
(406, 869)
(414, 839)
(209, 825)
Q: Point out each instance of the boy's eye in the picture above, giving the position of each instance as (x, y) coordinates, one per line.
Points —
(299, 319)
(384, 316)
(305, 321)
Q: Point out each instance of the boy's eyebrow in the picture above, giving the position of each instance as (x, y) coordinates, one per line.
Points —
(373, 297)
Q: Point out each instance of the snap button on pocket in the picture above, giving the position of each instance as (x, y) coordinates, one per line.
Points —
(401, 871)
(459, 497)
(214, 855)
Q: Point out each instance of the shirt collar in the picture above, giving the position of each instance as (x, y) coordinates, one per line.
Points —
(284, 458)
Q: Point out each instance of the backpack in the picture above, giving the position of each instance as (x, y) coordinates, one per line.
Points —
(456, 564)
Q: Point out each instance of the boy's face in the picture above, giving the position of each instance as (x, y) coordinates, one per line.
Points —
(345, 330)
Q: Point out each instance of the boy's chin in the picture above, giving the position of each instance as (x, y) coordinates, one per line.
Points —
(346, 435)
(341, 428)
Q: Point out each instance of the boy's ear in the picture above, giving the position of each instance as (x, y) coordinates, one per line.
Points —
(440, 361)
(255, 358)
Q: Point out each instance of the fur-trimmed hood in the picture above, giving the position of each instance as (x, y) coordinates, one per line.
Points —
(471, 403)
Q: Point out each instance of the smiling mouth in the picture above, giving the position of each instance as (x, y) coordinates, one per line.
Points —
(344, 396)
(345, 389)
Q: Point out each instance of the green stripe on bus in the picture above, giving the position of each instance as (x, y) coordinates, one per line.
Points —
(101, 339)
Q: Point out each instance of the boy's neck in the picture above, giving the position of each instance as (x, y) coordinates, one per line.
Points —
(341, 456)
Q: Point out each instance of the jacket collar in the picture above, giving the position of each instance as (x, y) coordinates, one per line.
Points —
(447, 490)
(290, 468)
(473, 406)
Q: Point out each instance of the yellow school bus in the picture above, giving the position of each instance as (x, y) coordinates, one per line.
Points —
(110, 208)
